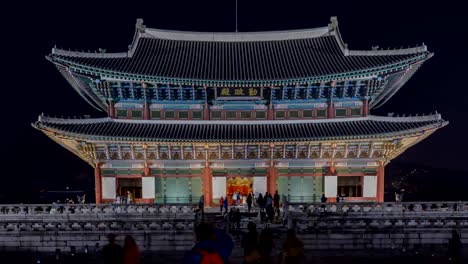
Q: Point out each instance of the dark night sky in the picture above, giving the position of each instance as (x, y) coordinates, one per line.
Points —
(33, 85)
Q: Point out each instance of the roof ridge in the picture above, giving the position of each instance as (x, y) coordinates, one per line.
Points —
(236, 36)
(61, 120)
(330, 30)
(100, 54)
(382, 52)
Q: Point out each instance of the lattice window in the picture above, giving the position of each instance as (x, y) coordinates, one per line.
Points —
(260, 114)
(196, 115)
(231, 114)
(122, 113)
(356, 111)
(169, 114)
(340, 112)
(136, 113)
(279, 114)
(216, 114)
(293, 114)
(245, 115)
(307, 113)
(183, 115)
(156, 114)
(321, 113)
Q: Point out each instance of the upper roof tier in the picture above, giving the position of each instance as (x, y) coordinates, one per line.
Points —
(254, 58)
(108, 129)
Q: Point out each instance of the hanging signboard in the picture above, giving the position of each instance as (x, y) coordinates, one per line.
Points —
(236, 92)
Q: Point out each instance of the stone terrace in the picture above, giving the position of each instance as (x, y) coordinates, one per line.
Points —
(332, 229)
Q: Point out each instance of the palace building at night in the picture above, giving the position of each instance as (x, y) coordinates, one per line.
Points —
(192, 113)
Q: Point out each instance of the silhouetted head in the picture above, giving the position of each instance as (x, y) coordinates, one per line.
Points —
(129, 241)
(252, 227)
(204, 231)
(290, 234)
(111, 238)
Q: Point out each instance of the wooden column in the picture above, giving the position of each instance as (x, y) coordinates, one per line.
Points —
(98, 183)
(380, 182)
(146, 111)
(111, 109)
(207, 184)
(271, 112)
(272, 178)
(365, 107)
(206, 112)
(330, 110)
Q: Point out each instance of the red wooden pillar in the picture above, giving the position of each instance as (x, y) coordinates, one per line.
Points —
(206, 112)
(330, 110)
(207, 185)
(146, 112)
(272, 179)
(111, 109)
(365, 107)
(98, 183)
(271, 112)
(380, 182)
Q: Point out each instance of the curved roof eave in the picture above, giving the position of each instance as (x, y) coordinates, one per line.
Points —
(334, 76)
(437, 124)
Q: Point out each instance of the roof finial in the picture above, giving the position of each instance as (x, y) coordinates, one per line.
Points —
(333, 23)
(140, 27)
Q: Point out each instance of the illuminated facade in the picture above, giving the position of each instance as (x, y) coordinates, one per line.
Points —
(193, 113)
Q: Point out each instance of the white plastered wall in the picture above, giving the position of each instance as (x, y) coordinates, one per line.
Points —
(148, 187)
(259, 185)
(219, 187)
(108, 188)
(331, 186)
(370, 186)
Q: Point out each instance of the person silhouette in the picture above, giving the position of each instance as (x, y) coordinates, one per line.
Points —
(112, 253)
(131, 253)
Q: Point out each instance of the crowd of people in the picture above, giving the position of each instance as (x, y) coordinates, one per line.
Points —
(269, 205)
(213, 245)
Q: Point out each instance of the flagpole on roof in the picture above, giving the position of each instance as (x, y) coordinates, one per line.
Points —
(236, 17)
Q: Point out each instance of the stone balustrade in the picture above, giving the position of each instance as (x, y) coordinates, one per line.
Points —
(381, 208)
(329, 226)
(41, 209)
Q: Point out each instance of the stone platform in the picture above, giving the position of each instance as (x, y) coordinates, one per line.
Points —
(329, 231)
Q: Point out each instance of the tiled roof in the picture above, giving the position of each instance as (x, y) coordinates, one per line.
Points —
(239, 131)
(239, 56)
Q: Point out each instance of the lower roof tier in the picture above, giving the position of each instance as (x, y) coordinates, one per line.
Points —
(239, 131)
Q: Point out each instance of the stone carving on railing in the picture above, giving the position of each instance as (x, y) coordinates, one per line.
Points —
(41, 209)
(381, 208)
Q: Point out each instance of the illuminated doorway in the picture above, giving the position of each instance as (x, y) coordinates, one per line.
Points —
(243, 185)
